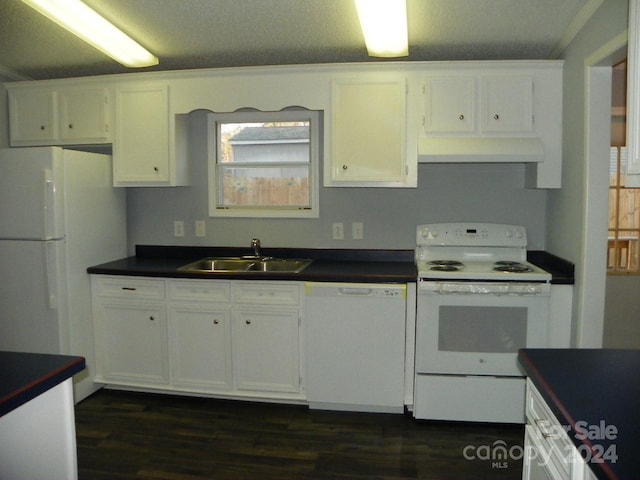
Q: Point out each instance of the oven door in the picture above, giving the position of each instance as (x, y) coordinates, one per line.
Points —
(465, 328)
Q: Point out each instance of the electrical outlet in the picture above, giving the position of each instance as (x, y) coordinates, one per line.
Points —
(178, 228)
(338, 231)
(201, 229)
(357, 231)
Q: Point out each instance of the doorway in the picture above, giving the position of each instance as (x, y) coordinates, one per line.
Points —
(609, 303)
(592, 277)
(621, 327)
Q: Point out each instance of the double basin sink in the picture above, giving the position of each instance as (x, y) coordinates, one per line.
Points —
(246, 264)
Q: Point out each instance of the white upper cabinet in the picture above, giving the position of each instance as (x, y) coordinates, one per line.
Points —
(380, 120)
(369, 134)
(506, 104)
(59, 116)
(141, 143)
(84, 115)
(32, 117)
(494, 112)
(449, 104)
(478, 105)
(146, 135)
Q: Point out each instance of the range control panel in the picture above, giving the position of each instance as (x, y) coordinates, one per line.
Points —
(471, 234)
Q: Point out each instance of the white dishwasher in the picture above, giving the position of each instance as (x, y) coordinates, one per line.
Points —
(355, 346)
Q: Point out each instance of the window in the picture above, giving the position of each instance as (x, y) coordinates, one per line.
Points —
(624, 201)
(624, 217)
(264, 164)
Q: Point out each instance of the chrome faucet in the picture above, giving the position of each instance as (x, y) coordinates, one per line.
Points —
(255, 244)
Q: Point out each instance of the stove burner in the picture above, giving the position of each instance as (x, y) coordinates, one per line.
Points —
(506, 263)
(513, 268)
(447, 263)
(446, 268)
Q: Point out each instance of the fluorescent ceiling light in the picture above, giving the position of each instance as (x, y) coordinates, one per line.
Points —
(384, 26)
(82, 21)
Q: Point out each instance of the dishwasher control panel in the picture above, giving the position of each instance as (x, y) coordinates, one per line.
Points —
(395, 292)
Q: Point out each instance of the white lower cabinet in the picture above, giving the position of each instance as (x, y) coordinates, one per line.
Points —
(265, 347)
(201, 347)
(131, 336)
(136, 343)
(231, 338)
(549, 453)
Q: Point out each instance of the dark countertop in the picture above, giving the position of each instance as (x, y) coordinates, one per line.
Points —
(592, 390)
(380, 266)
(329, 265)
(24, 376)
(561, 270)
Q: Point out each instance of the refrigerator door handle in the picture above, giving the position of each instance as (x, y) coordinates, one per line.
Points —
(51, 279)
(49, 206)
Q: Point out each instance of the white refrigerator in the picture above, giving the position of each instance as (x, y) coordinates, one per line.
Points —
(59, 214)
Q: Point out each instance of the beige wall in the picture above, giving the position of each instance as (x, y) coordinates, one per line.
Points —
(569, 219)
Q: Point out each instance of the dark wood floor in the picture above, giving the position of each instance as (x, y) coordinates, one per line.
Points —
(125, 435)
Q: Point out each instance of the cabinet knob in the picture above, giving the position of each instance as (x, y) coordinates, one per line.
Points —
(345, 167)
(496, 117)
(461, 117)
(248, 322)
(43, 127)
(156, 169)
(152, 318)
(70, 126)
(216, 321)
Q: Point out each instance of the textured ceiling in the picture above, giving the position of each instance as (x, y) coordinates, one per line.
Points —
(188, 34)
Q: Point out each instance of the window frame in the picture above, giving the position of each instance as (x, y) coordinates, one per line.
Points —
(315, 117)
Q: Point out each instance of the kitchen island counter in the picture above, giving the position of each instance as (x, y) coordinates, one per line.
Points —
(24, 376)
(37, 428)
(594, 392)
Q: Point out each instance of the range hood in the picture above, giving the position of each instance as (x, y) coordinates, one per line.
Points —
(480, 150)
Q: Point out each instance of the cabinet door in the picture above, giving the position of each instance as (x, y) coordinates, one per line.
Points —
(32, 117)
(368, 132)
(507, 104)
(84, 115)
(132, 343)
(535, 464)
(201, 346)
(266, 349)
(450, 104)
(141, 143)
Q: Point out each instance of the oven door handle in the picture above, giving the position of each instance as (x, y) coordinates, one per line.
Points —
(493, 288)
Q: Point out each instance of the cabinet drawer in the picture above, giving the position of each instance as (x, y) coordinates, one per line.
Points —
(266, 293)
(549, 433)
(536, 465)
(130, 287)
(200, 290)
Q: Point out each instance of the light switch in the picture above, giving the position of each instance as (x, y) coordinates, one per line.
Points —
(338, 231)
(357, 231)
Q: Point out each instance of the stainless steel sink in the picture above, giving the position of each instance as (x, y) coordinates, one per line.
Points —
(213, 264)
(246, 264)
(279, 265)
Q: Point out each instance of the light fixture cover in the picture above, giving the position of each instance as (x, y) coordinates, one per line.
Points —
(85, 23)
(384, 26)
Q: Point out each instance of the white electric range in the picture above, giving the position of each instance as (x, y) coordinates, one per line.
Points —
(479, 301)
